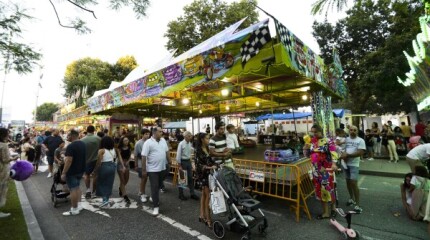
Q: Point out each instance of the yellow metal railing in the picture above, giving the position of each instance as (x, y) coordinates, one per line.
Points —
(290, 182)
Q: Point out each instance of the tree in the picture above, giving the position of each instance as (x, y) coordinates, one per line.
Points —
(85, 76)
(370, 41)
(14, 54)
(45, 111)
(123, 67)
(90, 73)
(139, 8)
(320, 5)
(202, 19)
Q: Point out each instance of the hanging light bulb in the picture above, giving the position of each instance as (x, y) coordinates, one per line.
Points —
(257, 104)
(227, 108)
(224, 92)
(200, 111)
(185, 101)
(305, 97)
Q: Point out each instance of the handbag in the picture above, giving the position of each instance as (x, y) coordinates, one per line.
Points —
(217, 202)
(182, 179)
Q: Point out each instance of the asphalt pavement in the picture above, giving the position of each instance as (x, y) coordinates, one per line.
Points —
(383, 216)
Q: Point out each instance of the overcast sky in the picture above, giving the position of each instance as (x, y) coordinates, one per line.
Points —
(115, 34)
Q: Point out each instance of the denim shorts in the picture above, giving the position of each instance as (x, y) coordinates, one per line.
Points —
(89, 168)
(73, 181)
(352, 173)
(50, 160)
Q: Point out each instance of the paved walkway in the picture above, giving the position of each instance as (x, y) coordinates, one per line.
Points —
(378, 167)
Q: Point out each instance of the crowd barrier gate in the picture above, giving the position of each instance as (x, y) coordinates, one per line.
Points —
(291, 182)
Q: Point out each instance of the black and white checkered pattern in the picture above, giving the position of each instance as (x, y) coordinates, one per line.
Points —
(286, 37)
(255, 42)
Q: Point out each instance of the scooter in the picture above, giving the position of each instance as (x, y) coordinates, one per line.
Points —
(347, 232)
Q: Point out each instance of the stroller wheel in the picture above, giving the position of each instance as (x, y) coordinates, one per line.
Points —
(247, 236)
(54, 200)
(218, 229)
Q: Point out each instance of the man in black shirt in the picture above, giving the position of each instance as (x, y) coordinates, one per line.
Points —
(51, 143)
(74, 168)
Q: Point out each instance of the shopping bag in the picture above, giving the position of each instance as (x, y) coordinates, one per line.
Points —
(218, 202)
(182, 179)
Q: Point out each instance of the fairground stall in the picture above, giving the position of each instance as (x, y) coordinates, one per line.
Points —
(236, 72)
(417, 80)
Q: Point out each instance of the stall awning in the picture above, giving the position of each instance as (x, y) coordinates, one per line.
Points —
(227, 74)
(339, 112)
(175, 125)
(282, 116)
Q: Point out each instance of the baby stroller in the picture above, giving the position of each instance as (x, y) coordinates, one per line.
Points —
(56, 193)
(240, 205)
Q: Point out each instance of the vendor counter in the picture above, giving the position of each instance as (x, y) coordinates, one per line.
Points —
(267, 139)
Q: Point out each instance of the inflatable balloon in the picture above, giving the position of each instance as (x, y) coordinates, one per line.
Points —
(21, 170)
(307, 139)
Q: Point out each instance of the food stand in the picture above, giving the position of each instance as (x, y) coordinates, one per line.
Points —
(237, 72)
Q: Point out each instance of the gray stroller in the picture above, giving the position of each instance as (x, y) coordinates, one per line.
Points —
(240, 205)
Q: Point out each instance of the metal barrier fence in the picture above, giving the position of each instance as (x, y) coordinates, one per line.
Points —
(291, 182)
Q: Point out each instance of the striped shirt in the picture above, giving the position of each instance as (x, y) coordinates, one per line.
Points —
(219, 144)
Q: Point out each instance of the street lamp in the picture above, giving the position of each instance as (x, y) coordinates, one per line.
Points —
(39, 86)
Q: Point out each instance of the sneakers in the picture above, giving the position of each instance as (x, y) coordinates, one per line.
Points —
(127, 200)
(343, 163)
(49, 175)
(358, 209)
(3, 215)
(72, 212)
(104, 204)
(350, 202)
(143, 198)
(80, 208)
(150, 199)
(163, 190)
(370, 159)
(88, 195)
(156, 211)
(195, 197)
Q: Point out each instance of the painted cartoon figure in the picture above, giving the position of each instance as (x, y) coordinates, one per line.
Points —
(172, 74)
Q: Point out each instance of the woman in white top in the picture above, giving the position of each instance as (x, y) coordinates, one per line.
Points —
(108, 157)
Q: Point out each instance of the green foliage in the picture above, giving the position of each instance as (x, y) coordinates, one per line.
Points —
(320, 5)
(94, 74)
(204, 18)
(123, 67)
(14, 54)
(139, 8)
(44, 112)
(371, 41)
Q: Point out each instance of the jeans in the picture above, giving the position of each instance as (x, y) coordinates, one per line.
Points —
(155, 179)
(164, 175)
(186, 166)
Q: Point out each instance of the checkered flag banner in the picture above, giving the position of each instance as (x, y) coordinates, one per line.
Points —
(255, 42)
(286, 37)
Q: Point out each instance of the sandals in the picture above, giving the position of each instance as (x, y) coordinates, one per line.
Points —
(321, 217)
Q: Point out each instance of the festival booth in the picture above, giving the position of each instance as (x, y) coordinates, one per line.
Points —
(237, 72)
(417, 80)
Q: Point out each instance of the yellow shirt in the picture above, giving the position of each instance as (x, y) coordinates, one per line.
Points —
(406, 130)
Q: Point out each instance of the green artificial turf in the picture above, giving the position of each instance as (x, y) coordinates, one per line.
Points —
(14, 226)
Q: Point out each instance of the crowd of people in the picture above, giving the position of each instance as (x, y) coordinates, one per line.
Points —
(98, 157)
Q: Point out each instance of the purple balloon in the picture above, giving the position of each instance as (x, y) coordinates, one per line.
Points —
(21, 170)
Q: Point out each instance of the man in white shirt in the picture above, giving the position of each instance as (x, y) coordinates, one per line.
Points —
(154, 157)
(183, 158)
(355, 147)
(417, 155)
(232, 141)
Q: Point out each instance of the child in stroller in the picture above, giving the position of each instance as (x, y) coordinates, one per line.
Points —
(59, 161)
(240, 204)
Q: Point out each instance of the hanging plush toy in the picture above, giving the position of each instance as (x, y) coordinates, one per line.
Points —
(21, 170)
